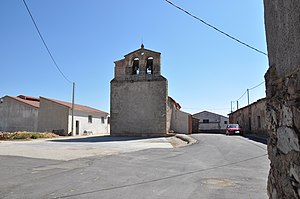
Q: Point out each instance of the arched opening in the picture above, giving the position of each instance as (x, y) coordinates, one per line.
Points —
(135, 66)
(149, 66)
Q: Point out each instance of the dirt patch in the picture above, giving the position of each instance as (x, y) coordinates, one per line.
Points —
(176, 142)
(25, 135)
(220, 182)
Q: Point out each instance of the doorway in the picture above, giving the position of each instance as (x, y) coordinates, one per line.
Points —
(77, 127)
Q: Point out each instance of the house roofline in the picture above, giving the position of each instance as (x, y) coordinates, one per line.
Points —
(177, 105)
(77, 107)
(24, 101)
(210, 112)
(259, 100)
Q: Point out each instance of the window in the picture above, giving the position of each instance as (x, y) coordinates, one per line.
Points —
(225, 122)
(108, 120)
(135, 66)
(90, 119)
(102, 120)
(149, 66)
(258, 122)
(206, 121)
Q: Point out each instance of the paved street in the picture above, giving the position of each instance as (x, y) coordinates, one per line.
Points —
(68, 148)
(218, 166)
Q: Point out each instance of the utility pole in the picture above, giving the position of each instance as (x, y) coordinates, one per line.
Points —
(248, 96)
(237, 105)
(231, 106)
(72, 127)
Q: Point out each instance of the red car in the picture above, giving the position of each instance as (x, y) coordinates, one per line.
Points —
(234, 129)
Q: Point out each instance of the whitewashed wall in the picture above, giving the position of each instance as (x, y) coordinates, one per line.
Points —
(96, 127)
(216, 121)
(180, 121)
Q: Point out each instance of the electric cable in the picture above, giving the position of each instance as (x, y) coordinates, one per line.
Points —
(241, 96)
(256, 86)
(50, 54)
(217, 29)
(249, 90)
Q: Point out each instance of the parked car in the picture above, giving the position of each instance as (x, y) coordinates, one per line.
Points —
(234, 129)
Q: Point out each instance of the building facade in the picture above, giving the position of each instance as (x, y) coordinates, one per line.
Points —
(31, 114)
(138, 96)
(56, 116)
(19, 113)
(177, 120)
(211, 122)
(251, 118)
(282, 26)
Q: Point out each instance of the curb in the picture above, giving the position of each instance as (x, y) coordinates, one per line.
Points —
(256, 138)
(186, 138)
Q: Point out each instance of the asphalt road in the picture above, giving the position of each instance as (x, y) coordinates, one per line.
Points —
(218, 166)
(69, 148)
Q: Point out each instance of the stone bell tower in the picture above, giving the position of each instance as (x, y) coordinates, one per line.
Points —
(138, 96)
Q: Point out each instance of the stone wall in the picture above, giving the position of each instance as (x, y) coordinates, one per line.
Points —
(138, 108)
(282, 22)
(251, 118)
(138, 96)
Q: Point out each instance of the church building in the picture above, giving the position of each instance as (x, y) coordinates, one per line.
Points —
(139, 96)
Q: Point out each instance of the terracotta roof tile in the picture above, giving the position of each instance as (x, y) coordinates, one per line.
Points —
(177, 105)
(76, 106)
(35, 103)
(29, 98)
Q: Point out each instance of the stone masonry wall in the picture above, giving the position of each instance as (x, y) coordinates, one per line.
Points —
(282, 22)
(138, 96)
(138, 108)
(251, 117)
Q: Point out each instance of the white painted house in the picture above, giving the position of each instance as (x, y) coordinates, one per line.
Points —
(56, 115)
(211, 122)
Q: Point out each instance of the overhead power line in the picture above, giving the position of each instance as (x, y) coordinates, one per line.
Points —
(217, 29)
(256, 86)
(248, 94)
(242, 96)
(50, 54)
(250, 89)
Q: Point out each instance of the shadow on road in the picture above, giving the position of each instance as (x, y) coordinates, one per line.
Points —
(260, 139)
(254, 137)
(209, 132)
(106, 138)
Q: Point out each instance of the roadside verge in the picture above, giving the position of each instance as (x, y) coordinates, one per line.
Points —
(186, 138)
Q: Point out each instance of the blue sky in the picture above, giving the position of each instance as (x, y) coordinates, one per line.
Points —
(205, 69)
